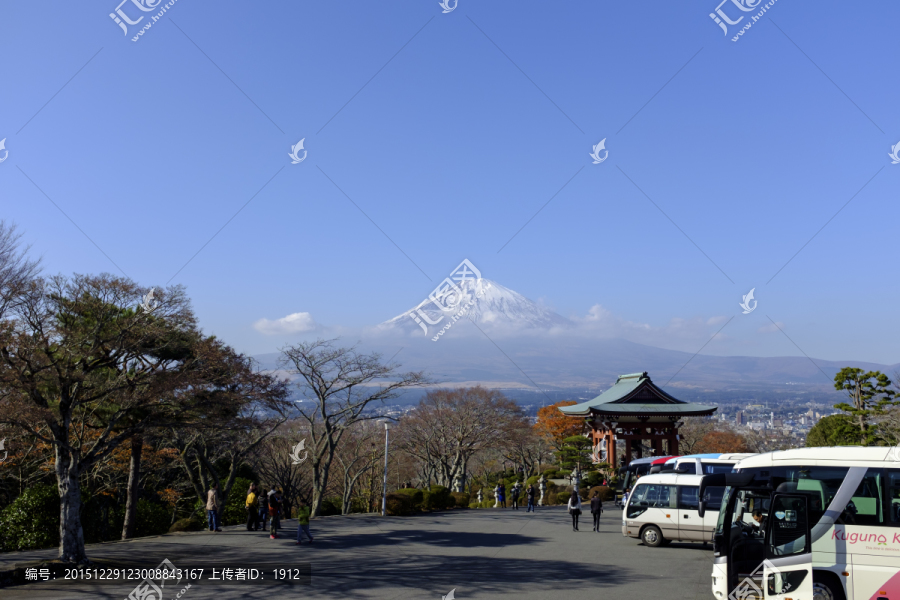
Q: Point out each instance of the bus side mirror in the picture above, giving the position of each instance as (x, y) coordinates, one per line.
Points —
(701, 508)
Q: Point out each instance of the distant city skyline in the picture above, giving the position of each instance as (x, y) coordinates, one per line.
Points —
(307, 170)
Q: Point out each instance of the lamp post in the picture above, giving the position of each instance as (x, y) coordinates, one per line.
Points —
(387, 428)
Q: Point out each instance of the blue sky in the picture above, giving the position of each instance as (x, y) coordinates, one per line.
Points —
(451, 131)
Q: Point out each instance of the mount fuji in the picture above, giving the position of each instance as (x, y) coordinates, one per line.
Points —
(486, 303)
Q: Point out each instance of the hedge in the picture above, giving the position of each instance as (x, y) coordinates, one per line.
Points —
(607, 494)
(461, 499)
(437, 498)
(32, 520)
(399, 505)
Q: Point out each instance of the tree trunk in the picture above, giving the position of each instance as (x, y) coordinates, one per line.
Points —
(134, 490)
(71, 535)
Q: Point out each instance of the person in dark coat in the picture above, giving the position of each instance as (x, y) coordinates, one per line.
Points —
(515, 497)
(529, 495)
(596, 510)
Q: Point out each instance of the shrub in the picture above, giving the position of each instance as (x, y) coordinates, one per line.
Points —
(437, 498)
(330, 506)
(533, 480)
(32, 520)
(593, 479)
(606, 494)
(151, 519)
(185, 524)
(236, 506)
(399, 505)
(460, 499)
(550, 499)
(416, 496)
(550, 473)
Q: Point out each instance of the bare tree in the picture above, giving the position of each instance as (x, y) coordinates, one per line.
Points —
(359, 455)
(276, 467)
(227, 414)
(339, 384)
(693, 431)
(525, 448)
(16, 269)
(448, 427)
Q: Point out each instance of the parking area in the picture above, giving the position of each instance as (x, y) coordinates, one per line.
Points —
(489, 553)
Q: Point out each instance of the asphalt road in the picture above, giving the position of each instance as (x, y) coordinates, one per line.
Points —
(492, 553)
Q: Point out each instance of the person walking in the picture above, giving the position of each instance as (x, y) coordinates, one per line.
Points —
(574, 508)
(252, 513)
(212, 507)
(596, 510)
(529, 496)
(274, 512)
(303, 522)
(502, 494)
(263, 508)
(515, 497)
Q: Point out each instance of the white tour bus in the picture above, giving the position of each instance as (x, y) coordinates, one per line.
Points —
(703, 464)
(809, 523)
(663, 508)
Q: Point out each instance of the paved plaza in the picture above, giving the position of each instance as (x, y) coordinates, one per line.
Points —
(484, 554)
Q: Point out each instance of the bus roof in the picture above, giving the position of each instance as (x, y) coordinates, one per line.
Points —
(662, 460)
(693, 456)
(670, 479)
(847, 456)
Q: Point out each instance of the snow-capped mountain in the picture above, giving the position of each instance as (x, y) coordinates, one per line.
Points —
(485, 302)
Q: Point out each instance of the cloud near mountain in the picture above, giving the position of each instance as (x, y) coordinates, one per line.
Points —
(299, 322)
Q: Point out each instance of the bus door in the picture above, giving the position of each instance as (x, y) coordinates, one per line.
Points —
(787, 569)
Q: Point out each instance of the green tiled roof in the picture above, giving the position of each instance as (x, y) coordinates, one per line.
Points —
(635, 394)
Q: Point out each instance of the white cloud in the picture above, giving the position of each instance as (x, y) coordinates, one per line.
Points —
(771, 327)
(293, 323)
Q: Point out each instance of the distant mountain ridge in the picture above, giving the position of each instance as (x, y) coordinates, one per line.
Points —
(504, 340)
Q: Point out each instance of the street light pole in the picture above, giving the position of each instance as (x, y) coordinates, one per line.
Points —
(387, 427)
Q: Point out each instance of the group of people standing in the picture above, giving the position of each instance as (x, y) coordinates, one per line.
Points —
(530, 494)
(261, 508)
(575, 509)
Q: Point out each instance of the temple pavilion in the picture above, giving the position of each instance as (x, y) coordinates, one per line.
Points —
(638, 412)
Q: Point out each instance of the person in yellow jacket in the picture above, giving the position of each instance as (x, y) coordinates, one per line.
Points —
(252, 523)
(303, 522)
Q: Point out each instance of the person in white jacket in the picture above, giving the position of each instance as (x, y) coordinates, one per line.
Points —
(574, 508)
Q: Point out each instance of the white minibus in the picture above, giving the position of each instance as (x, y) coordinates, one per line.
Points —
(809, 523)
(664, 508)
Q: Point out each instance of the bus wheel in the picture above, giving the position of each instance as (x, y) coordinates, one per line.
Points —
(823, 589)
(652, 536)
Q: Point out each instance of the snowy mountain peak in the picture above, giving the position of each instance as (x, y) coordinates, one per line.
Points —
(485, 302)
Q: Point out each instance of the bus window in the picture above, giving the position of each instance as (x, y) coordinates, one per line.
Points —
(893, 494)
(650, 495)
(713, 498)
(712, 469)
(689, 498)
(788, 526)
(864, 507)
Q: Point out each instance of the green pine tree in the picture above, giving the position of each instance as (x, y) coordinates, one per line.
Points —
(869, 396)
